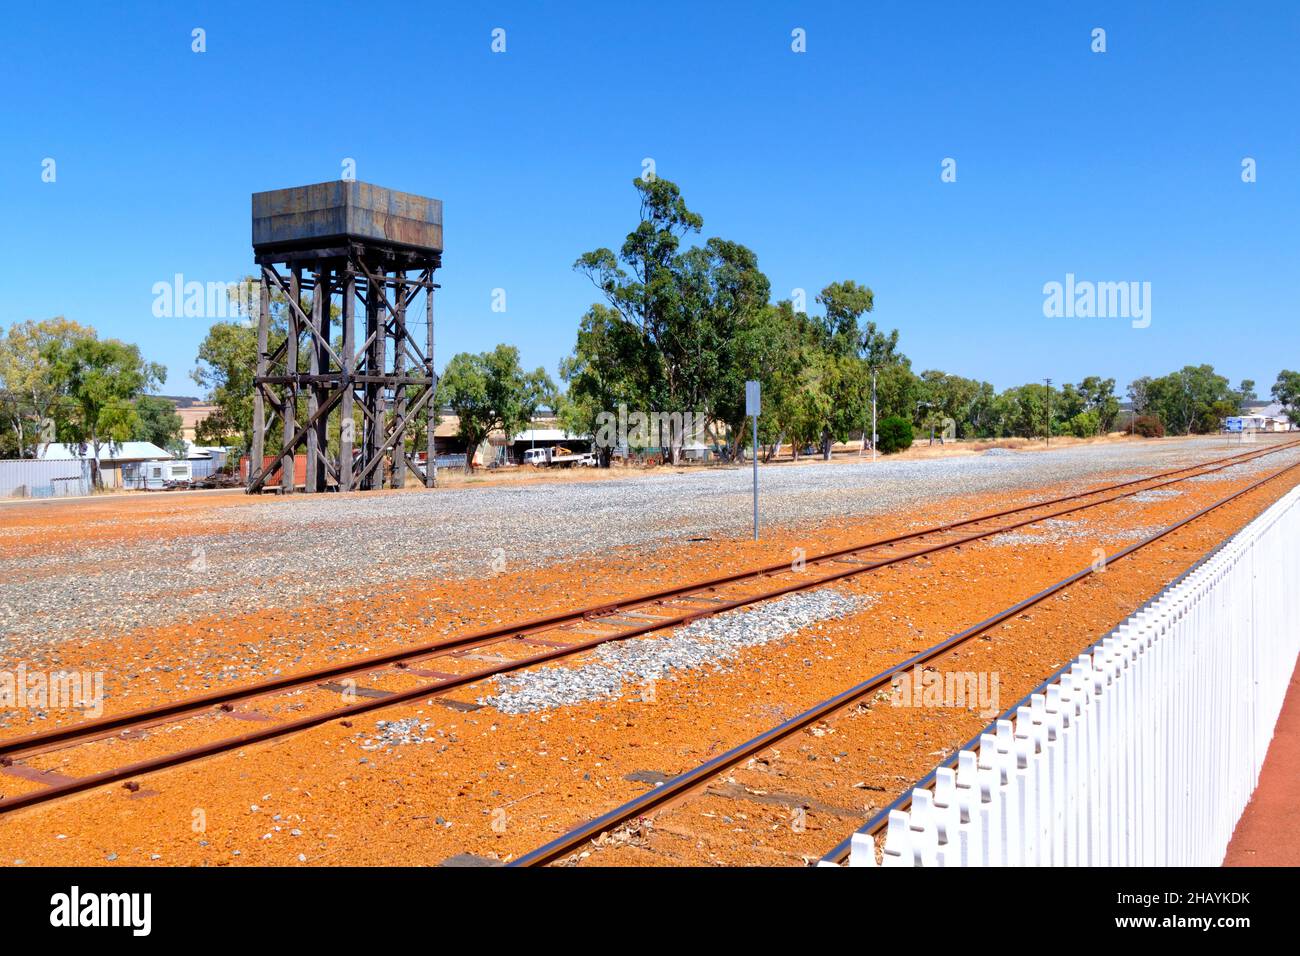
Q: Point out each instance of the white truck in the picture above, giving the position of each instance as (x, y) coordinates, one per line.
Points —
(558, 457)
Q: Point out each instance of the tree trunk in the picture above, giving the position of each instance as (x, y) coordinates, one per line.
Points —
(97, 478)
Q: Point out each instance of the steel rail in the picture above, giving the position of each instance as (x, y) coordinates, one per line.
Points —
(79, 733)
(85, 731)
(680, 786)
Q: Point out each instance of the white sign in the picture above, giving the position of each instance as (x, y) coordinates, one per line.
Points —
(751, 399)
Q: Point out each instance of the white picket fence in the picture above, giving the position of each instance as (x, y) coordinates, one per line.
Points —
(1146, 750)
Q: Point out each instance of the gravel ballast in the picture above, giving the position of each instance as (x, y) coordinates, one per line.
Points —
(638, 662)
(212, 561)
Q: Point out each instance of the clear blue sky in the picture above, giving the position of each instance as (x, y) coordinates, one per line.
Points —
(1117, 166)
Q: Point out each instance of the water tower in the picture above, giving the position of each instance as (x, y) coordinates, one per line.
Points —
(373, 251)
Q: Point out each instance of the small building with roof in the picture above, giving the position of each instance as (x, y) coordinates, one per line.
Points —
(123, 464)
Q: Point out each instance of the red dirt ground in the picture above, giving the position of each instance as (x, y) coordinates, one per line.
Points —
(1267, 834)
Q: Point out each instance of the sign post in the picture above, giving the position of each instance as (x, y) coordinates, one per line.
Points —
(752, 410)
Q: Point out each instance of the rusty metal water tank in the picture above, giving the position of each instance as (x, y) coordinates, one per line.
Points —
(332, 214)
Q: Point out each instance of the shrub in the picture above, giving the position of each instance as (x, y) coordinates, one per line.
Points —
(895, 434)
(1085, 424)
(1149, 426)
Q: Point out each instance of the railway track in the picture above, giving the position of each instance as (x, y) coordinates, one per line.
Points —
(559, 636)
(689, 785)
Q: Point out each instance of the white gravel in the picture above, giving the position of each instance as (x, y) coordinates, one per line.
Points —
(1247, 469)
(397, 733)
(1062, 531)
(637, 662)
(1155, 494)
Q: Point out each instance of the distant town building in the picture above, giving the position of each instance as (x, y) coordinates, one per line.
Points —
(121, 464)
(1269, 417)
(192, 411)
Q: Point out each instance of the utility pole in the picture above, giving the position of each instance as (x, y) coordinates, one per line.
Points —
(752, 399)
(1048, 383)
(874, 437)
(874, 369)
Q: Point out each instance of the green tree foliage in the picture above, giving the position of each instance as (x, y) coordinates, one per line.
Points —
(898, 390)
(845, 303)
(685, 310)
(227, 363)
(816, 372)
(781, 349)
(643, 284)
(684, 329)
(100, 381)
(1287, 391)
(490, 391)
(600, 373)
(1192, 400)
(845, 378)
(806, 406)
(964, 401)
(1084, 424)
(725, 298)
(1087, 409)
(29, 389)
(1138, 393)
(982, 414)
(876, 347)
(156, 421)
(1098, 396)
(768, 350)
(1022, 411)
